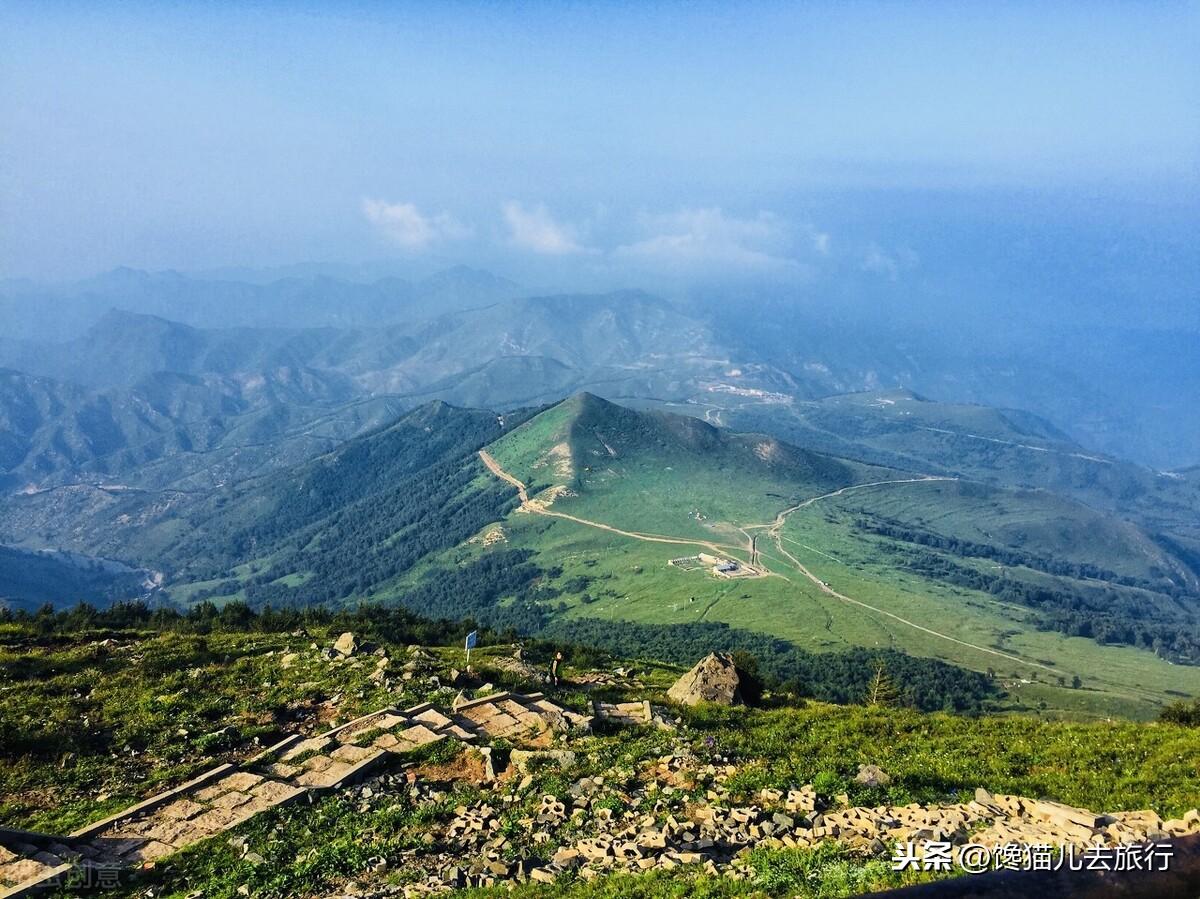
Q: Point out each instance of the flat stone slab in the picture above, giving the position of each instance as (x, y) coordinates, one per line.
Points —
(208, 794)
(493, 721)
(216, 819)
(513, 708)
(232, 799)
(174, 833)
(313, 744)
(433, 718)
(282, 770)
(418, 735)
(181, 809)
(273, 792)
(316, 763)
(351, 753)
(148, 852)
(388, 721)
(326, 776)
(241, 780)
(20, 871)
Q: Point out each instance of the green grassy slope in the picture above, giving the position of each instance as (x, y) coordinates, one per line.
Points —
(867, 557)
(998, 446)
(655, 474)
(666, 474)
(350, 520)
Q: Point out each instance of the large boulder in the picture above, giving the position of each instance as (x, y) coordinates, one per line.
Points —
(715, 678)
(345, 645)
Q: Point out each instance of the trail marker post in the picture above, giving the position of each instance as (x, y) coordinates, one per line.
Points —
(472, 639)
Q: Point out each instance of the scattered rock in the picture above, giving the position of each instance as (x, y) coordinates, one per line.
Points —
(345, 645)
(872, 776)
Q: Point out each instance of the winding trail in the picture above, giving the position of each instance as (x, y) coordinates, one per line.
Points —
(782, 516)
(773, 530)
(1025, 446)
(537, 508)
(826, 589)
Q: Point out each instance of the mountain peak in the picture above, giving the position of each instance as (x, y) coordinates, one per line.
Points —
(587, 405)
(124, 277)
(122, 320)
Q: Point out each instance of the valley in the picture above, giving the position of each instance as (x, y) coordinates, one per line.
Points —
(329, 463)
(593, 500)
(832, 584)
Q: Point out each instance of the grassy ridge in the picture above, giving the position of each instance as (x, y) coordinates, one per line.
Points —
(655, 474)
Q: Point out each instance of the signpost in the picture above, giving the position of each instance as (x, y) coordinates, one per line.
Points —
(472, 639)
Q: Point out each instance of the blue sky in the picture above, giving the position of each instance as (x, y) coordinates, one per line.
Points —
(616, 140)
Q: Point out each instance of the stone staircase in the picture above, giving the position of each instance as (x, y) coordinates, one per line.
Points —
(229, 795)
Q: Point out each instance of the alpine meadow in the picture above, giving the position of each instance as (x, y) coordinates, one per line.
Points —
(560, 452)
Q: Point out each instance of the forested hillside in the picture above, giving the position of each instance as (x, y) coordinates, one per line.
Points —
(32, 579)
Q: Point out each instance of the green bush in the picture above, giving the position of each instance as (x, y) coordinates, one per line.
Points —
(1181, 712)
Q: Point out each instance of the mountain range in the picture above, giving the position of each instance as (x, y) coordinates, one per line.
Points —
(33, 311)
(345, 457)
(472, 337)
(617, 505)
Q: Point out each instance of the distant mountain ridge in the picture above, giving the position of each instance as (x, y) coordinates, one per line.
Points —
(40, 312)
(997, 446)
(1123, 391)
(189, 432)
(501, 355)
(195, 406)
(136, 388)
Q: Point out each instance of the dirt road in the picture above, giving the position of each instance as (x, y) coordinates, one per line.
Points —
(537, 508)
(774, 529)
(774, 532)
(829, 591)
(782, 516)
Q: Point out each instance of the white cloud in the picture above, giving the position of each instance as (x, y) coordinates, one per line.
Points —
(880, 263)
(406, 225)
(709, 237)
(535, 229)
(889, 264)
(820, 241)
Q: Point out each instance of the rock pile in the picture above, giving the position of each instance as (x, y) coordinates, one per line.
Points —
(642, 821)
(624, 714)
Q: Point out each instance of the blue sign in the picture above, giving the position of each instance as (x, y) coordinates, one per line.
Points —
(472, 639)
